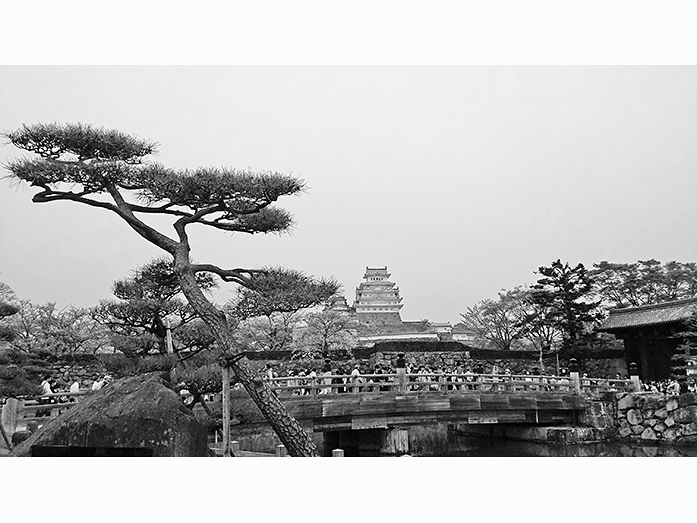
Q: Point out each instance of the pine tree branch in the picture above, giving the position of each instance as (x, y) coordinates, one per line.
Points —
(153, 236)
(228, 275)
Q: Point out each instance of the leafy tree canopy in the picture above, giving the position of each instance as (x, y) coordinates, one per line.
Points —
(645, 282)
(103, 161)
(149, 303)
(564, 294)
(275, 289)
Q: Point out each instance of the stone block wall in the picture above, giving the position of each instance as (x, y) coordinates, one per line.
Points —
(604, 367)
(63, 374)
(657, 417)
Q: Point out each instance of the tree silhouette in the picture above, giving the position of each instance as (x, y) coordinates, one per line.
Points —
(108, 170)
(563, 294)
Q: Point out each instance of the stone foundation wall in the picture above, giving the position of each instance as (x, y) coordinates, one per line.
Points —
(604, 368)
(63, 375)
(657, 417)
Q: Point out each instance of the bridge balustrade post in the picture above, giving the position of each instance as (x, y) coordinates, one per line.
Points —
(634, 376)
(574, 376)
(281, 451)
(10, 414)
(337, 453)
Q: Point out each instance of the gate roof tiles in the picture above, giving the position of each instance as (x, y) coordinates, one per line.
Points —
(658, 314)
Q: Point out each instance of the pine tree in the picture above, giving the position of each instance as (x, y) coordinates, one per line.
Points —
(563, 293)
(109, 170)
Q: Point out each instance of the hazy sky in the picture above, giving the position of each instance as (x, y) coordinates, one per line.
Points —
(462, 180)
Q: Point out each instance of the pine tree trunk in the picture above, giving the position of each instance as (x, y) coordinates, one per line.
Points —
(289, 431)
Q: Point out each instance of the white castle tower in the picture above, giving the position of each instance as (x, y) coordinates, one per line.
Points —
(377, 298)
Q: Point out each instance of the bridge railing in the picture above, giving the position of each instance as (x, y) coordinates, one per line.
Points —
(596, 385)
(444, 382)
(16, 413)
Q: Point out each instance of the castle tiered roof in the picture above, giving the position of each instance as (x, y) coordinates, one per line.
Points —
(377, 294)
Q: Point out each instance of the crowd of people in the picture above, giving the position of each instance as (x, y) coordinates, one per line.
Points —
(332, 378)
(345, 379)
(670, 387)
(50, 392)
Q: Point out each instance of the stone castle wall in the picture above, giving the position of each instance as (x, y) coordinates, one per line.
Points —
(380, 319)
(657, 417)
(63, 375)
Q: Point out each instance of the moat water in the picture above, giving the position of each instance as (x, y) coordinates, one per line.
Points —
(475, 446)
(436, 440)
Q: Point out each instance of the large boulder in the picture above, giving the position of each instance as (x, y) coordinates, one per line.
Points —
(634, 416)
(138, 412)
(686, 414)
(626, 402)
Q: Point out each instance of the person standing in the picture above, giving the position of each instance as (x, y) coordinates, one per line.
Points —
(74, 387)
(326, 380)
(45, 400)
(98, 384)
(313, 381)
(356, 379)
(46, 386)
(401, 370)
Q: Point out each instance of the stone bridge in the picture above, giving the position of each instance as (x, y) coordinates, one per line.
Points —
(386, 410)
(376, 412)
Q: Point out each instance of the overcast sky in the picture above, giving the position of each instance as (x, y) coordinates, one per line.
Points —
(462, 180)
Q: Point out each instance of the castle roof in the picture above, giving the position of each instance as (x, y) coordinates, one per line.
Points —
(647, 315)
(376, 271)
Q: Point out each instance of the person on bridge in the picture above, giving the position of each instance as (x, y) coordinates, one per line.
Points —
(46, 386)
(469, 378)
(45, 389)
(356, 379)
(326, 380)
(313, 381)
(401, 370)
(75, 386)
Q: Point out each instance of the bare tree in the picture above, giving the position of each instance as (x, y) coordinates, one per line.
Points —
(325, 332)
(497, 321)
(107, 169)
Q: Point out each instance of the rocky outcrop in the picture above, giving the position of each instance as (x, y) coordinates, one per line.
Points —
(135, 412)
